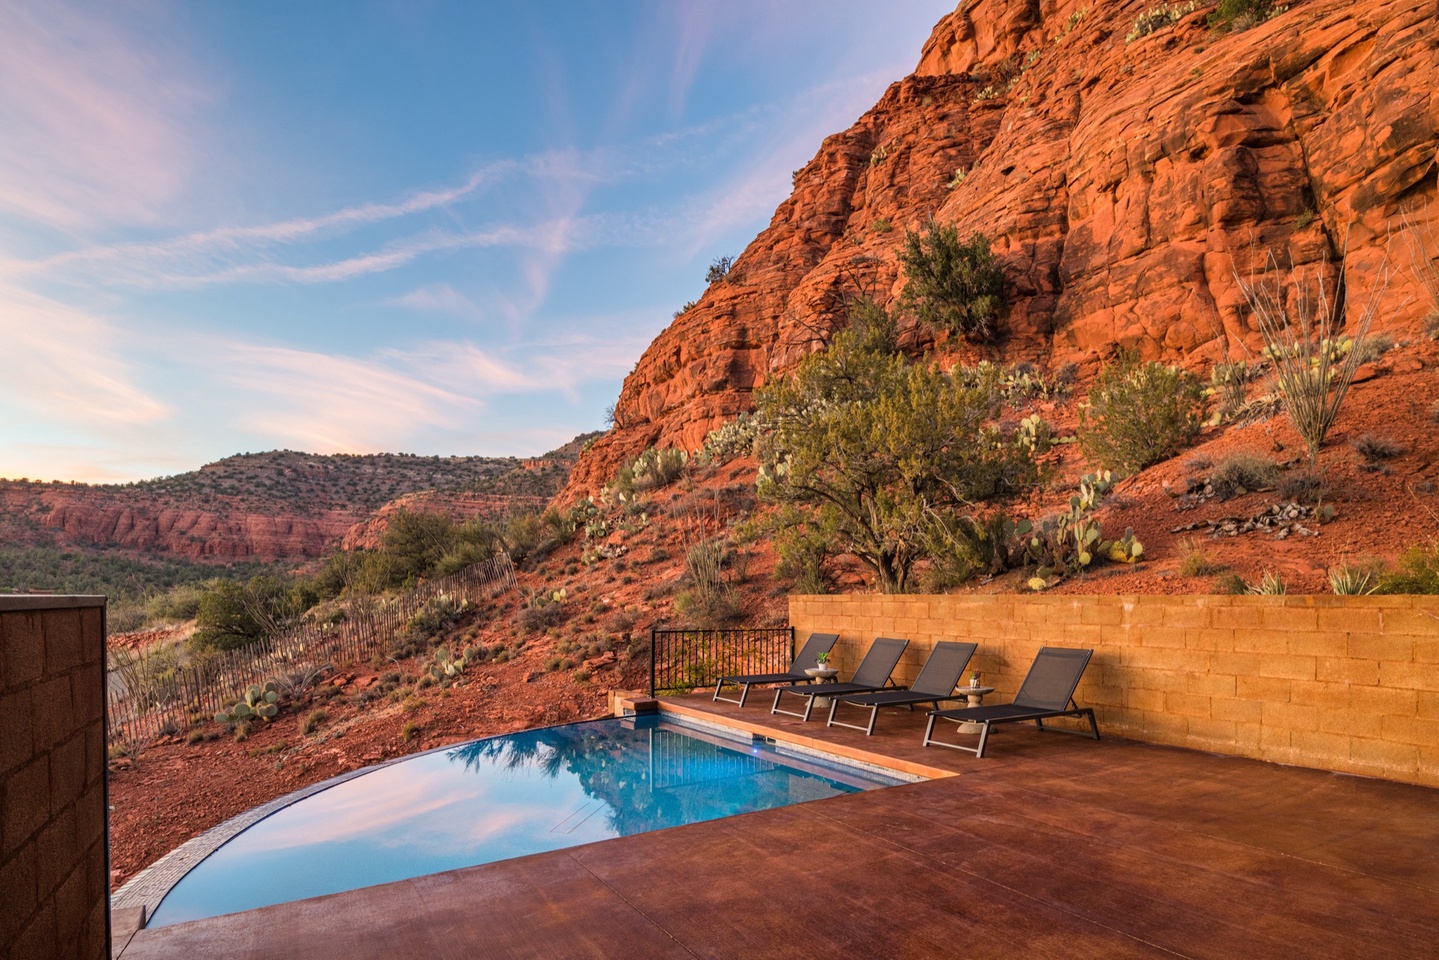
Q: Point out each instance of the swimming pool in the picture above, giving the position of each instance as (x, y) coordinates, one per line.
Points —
(498, 798)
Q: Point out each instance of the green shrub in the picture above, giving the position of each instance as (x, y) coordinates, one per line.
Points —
(1138, 414)
(1237, 15)
(1197, 561)
(1418, 572)
(1230, 583)
(951, 285)
(719, 270)
(867, 447)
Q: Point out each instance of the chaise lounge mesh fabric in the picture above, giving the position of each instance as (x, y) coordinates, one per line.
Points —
(873, 673)
(1047, 691)
(936, 681)
(807, 658)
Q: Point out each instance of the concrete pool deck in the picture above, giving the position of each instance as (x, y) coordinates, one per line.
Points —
(1051, 846)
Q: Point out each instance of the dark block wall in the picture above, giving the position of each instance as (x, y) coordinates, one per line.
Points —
(54, 861)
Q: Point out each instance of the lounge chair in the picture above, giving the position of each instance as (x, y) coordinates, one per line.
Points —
(807, 658)
(936, 682)
(873, 674)
(1047, 691)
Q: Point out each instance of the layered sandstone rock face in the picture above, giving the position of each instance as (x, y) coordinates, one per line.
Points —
(1122, 183)
(228, 529)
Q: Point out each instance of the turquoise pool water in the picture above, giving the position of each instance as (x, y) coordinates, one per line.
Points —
(498, 798)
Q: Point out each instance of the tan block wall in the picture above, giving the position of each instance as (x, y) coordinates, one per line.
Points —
(54, 861)
(1337, 683)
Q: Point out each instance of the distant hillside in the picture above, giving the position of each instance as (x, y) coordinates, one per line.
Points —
(345, 481)
(267, 507)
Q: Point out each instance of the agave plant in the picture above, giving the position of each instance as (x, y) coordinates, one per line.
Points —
(1347, 581)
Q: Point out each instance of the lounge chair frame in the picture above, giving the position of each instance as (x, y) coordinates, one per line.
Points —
(807, 657)
(871, 675)
(936, 682)
(1055, 669)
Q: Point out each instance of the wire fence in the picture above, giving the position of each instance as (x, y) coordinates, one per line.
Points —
(151, 694)
(686, 659)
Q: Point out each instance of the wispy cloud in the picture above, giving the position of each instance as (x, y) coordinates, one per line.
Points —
(330, 403)
(95, 121)
(438, 298)
(68, 366)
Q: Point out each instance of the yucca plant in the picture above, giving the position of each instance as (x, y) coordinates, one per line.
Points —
(1347, 581)
(1269, 585)
(1301, 320)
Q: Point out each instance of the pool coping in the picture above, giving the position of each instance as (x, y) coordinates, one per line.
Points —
(907, 769)
(143, 893)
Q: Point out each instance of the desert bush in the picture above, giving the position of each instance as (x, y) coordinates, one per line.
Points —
(1242, 472)
(866, 444)
(1231, 584)
(1197, 561)
(232, 615)
(1418, 572)
(952, 285)
(719, 270)
(1371, 447)
(313, 720)
(1237, 15)
(1138, 414)
(1301, 320)
(1302, 486)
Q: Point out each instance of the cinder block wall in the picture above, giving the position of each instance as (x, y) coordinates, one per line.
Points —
(54, 860)
(1337, 683)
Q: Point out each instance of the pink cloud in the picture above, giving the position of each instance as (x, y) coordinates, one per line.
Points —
(95, 121)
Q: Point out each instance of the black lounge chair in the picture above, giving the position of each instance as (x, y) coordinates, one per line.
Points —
(807, 658)
(873, 674)
(1047, 691)
(936, 682)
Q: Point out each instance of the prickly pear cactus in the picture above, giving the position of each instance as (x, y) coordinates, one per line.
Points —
(259, 701)
(1127, 549)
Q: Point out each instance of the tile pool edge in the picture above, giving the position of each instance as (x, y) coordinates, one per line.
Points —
(812, 746)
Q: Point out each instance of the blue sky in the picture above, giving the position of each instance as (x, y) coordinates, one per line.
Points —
(436, 228)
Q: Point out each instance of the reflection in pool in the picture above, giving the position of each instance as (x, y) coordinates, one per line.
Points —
(498, 798)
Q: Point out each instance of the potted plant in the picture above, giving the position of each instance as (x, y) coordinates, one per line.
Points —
(823, 659)
(974, 678)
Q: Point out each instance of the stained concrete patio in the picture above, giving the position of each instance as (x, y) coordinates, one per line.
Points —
(1050, 846)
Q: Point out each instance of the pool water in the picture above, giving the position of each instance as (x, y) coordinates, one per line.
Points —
(498, 798)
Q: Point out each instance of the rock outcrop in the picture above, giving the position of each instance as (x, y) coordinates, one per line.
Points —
(1123, 183)
(224, 530)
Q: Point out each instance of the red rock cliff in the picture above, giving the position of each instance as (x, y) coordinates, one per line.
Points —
(1122, 183)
